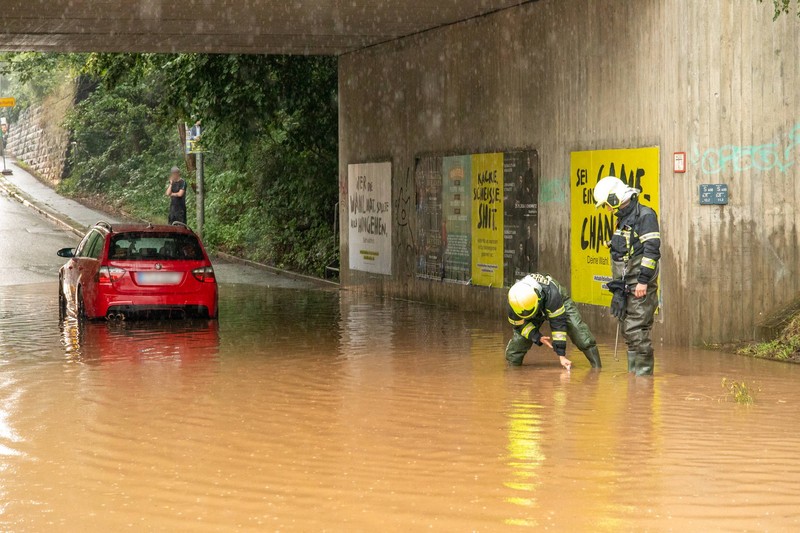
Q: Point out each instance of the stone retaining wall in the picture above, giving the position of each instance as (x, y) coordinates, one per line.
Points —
(39, 138)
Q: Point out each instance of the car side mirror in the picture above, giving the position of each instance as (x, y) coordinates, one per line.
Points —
(66, 252)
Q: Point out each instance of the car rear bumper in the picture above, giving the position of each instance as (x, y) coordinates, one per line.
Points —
(169, 311)
(202, 301)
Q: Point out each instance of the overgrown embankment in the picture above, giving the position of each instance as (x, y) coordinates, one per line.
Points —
(269, 128)
(785, 347)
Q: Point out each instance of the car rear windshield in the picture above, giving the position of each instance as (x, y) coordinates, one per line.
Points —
(154, 247)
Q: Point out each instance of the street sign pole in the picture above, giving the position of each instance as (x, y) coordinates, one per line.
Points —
(201, 216)
(8, 101)
(6, 171)
(194, 146)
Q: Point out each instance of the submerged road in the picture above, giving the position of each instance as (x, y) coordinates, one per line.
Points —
(310, 410)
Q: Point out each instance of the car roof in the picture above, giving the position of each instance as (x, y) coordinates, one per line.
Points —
(143, 228)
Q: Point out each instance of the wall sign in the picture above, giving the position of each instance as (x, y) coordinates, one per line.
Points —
(370, 217)
(714, 194)
(592, 228)
(477, 217)
(679, 162)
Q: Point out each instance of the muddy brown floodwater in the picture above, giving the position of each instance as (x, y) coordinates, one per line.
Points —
(310, 411)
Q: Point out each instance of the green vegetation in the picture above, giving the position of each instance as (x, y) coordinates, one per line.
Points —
(781, 7)
(31, 77)
(270, 128)
(786, 347)
(740, 391)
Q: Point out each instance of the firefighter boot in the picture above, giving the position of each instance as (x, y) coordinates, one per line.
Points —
(644, 363)
(631, 361)
(593, 355)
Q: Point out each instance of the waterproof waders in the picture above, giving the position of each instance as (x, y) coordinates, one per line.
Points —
(638, 321)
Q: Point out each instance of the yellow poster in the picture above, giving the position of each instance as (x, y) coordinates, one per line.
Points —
(487, 219)
(592, 228)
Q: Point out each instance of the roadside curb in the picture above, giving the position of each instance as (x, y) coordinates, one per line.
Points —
(278, 271)
(79, 230)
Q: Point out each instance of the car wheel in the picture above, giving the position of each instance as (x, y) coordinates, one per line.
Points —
(215, 316)
(80, 306)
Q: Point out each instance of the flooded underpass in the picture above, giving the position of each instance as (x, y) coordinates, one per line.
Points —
(324, 410)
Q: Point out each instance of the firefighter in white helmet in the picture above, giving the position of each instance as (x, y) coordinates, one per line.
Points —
(536, 298)
(635, 251)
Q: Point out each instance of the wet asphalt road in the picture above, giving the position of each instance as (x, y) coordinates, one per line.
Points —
(28, 245)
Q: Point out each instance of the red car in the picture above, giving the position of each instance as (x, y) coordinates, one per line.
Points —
(129, 269)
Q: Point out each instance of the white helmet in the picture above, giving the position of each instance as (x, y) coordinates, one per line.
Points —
(613, 192)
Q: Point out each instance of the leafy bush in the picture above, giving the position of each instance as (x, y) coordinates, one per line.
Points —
(270, 128)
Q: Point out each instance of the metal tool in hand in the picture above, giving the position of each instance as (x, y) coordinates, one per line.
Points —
(616, 338)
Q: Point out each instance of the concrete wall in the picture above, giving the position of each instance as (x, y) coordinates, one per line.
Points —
(39, 139)
(713, 78)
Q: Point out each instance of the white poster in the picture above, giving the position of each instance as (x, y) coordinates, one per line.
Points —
(369, 195)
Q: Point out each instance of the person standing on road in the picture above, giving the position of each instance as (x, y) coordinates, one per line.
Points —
(635, 251)
(176, 190)
(536, 298)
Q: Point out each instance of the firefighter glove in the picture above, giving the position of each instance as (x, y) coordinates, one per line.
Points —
(620, 299)
(618, 303)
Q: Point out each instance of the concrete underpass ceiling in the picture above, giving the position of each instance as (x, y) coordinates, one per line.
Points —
(225, 26)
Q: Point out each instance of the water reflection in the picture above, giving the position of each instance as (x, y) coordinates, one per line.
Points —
(9, 398)
(525, 457)
(124, 340)
(278, 322)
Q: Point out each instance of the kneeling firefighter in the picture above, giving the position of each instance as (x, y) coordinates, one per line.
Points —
(635, 251)
(536, 298)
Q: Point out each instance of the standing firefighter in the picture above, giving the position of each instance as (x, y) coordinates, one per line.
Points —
(635, 251)
(536, 298)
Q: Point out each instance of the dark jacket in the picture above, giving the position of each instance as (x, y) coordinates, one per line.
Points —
(177, 204)
(551, 307)
(637, 241)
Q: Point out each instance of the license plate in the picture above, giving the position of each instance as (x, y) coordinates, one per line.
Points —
(158, 278)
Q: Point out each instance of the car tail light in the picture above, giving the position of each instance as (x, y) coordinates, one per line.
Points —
(204, 274)
(108, 275)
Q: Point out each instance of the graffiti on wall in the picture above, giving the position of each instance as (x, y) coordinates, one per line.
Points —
(780, 155)
(553, 191)
(404, 238)
(592, 228)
